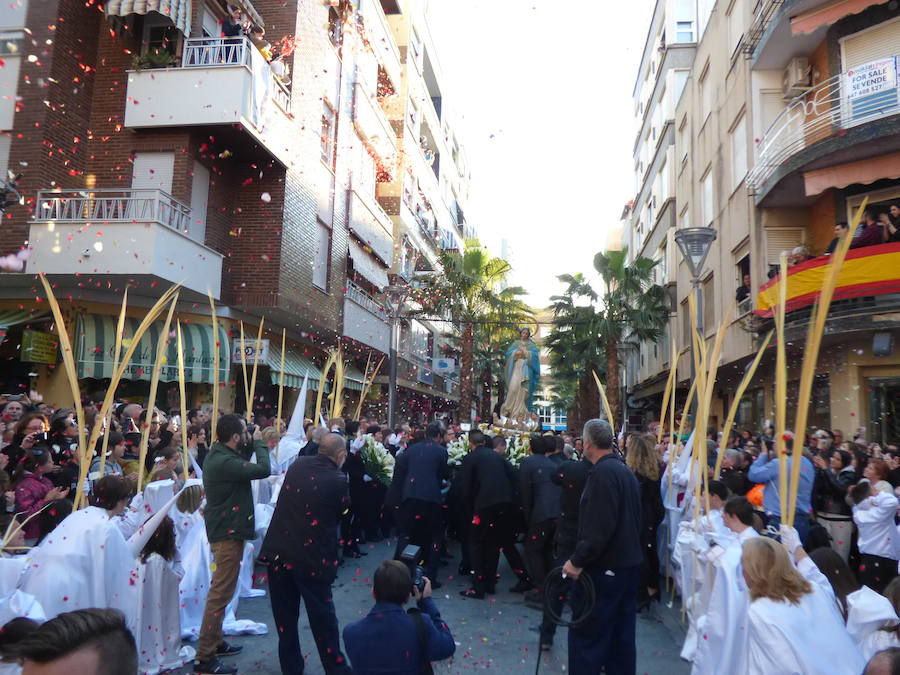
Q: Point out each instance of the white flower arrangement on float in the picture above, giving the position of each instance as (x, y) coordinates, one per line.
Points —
(378, 461)
(456, 451)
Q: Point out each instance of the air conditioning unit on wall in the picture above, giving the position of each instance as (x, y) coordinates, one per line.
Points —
(795, 80)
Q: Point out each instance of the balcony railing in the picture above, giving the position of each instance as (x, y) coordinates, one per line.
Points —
(360, 297)
(867, 93)
(229, 51)
(867, 272)
(101, 206)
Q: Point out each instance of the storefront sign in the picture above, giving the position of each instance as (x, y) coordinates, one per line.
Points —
(252, 351)
(38, 347)
(871, 78)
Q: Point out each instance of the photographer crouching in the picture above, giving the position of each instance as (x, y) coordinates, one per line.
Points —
(391, 640)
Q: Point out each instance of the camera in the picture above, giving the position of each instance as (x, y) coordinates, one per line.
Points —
(411, 556)
(41, 437)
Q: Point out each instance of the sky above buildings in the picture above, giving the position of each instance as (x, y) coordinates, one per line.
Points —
(542, 91)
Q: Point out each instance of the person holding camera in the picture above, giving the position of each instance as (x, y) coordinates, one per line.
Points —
(391, 640)
(227, 478)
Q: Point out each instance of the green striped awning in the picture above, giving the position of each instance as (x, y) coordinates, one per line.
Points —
(13, 317)
(95, 344)
(295, 367)
(354, 379)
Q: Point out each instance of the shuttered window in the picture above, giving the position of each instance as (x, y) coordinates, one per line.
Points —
(781, 239)
(153, 171)
(874, 43)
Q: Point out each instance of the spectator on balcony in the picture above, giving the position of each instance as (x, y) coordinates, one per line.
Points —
(744, 291)
(890, 224)
(840, 231)
(869, 232)
(234, 23)
(257, 37)
(800, 254)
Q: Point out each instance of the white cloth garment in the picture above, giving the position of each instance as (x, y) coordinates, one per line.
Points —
(158, 634)
(85, 562)
(722, 630)
(808, 638)
(874, 516)
(867, 613)
(196, 558)
(156, 495)
(14, 602)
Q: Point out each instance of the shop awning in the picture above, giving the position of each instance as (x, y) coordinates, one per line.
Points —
(810, 21)
(14, 317)
(178, 11)
(354, 379)
(95, 344)
(367, 266)
(295, 367)
(864, 172)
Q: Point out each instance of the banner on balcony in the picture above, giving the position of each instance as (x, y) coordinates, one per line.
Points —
(866, 271)
(95, 344)
(871, 87)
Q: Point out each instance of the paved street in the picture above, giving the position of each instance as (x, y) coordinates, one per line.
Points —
(498, 634)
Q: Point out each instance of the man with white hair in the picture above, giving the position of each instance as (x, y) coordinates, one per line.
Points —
(609, 553)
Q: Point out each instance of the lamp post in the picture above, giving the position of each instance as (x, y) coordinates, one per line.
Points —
(694, 244)
(395, 296)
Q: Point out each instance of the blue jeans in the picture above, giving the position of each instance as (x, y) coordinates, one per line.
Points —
(286, 589)
(801, 524)
(606, 639)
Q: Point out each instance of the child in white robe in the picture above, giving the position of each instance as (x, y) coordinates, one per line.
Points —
(793, 625)
(158, 633)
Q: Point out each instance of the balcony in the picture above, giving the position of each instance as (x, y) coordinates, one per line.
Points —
(867, 295)
(365, 319)
(373, 126)
(381, 39)
(372, 225)
(219, 81)
(834, 115)
(132, 233)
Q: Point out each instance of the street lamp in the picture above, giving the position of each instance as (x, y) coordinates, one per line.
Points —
(694, 243)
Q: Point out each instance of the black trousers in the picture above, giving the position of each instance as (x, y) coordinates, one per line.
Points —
(373, 514)
(539, 550)
(876, 572)
(493, 530)
(421, 523)
(286, 589)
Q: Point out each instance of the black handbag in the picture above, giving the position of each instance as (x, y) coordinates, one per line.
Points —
(422, 634)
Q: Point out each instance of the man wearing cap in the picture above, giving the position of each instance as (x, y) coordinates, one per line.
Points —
(609, 553)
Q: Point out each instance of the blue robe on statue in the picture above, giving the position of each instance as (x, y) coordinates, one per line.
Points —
(531, 373)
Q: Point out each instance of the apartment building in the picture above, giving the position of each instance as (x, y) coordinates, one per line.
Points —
(787, 121)
(154, 149)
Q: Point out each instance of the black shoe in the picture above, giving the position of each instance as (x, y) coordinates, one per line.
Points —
(464, 572)
(225, 649)
(213, 667)
(348, 553)
(472, 593)
(522, 586)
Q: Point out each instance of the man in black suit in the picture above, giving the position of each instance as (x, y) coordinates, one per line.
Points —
(489, 492)
(301, 549)
(416, 488)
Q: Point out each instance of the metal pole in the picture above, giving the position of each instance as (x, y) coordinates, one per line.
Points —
(392, 377)
(695, 282)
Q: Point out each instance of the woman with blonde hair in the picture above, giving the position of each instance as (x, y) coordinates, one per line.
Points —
(642, 458)
(793, 626)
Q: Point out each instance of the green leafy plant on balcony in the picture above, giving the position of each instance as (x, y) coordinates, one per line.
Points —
(155, 57)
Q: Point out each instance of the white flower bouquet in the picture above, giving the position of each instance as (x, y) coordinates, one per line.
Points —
(456, 451)
(379, 463)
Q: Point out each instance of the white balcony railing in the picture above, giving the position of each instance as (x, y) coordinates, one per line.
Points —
(867, 93)
(360, 297)
(96, 206)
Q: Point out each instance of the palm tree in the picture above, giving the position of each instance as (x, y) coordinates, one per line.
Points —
(468, 291)
(577, 346)
(634, 309)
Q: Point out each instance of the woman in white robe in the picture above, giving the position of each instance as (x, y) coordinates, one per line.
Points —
(86, 562)
(794, 627)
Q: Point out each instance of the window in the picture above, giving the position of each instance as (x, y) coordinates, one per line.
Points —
(199, 202)
(335, 29)
(685, 217)
(739, 151)
(709, 305)
(415, 46)
(365, 181)
(329, 136)
(706, 198)
(209, 24)
(743, 297)
(705, 95)
(684, 31)
(322, 256)
(735, 25)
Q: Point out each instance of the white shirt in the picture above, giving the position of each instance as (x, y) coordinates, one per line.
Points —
(874, 516)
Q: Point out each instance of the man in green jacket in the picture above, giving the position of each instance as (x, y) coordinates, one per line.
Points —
(229, 523)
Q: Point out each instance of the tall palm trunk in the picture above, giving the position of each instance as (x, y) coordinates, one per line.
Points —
(465, 374)
(486, 391)
(612, 380)
(587, 401)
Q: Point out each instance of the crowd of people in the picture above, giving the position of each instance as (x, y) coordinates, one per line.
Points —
(167, 564)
